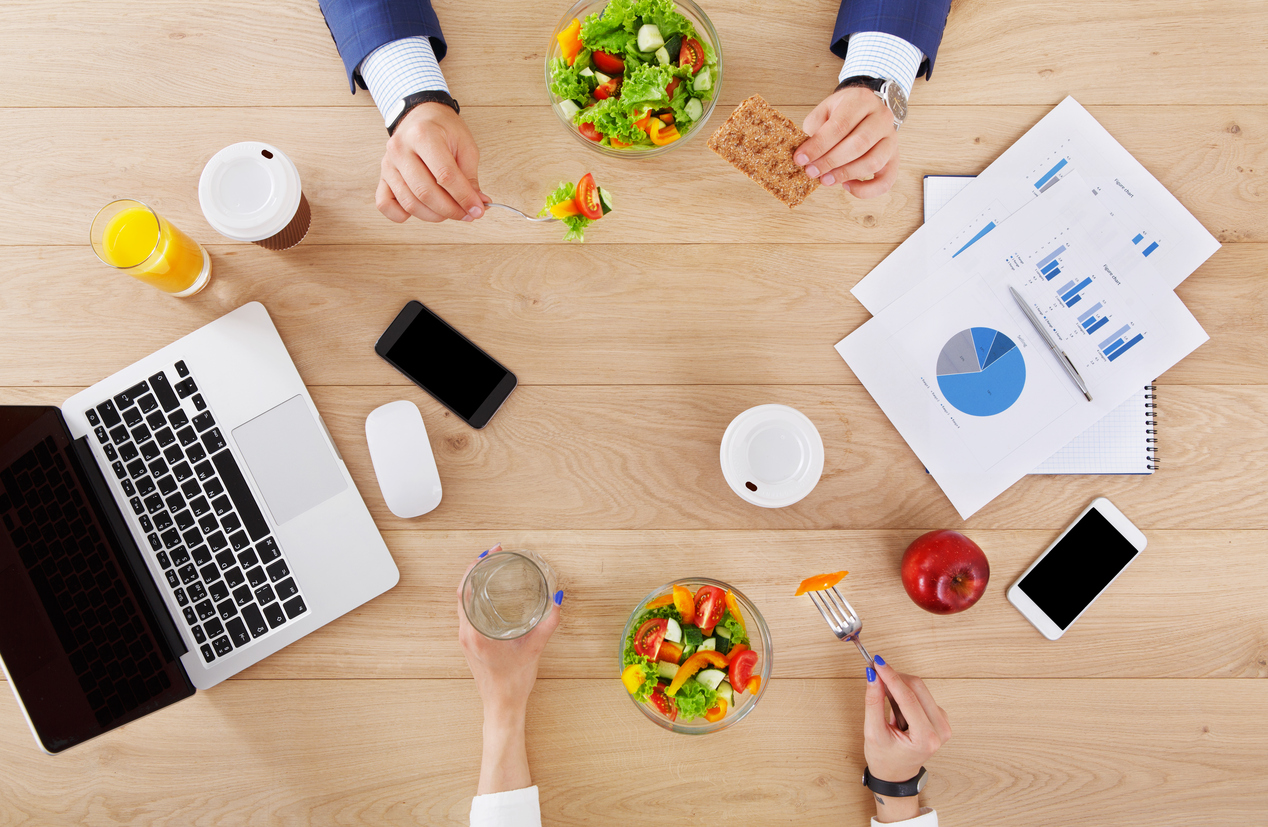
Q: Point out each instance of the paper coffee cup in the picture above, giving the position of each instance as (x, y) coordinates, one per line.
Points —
(250, 191)
(772, 455)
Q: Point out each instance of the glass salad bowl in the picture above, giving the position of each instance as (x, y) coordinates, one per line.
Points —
(711, 85)
(759, 641)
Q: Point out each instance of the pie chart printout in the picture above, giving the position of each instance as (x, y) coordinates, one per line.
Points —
(981, 371)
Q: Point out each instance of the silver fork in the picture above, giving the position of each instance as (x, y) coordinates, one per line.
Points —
(846, 624)
(517, 212)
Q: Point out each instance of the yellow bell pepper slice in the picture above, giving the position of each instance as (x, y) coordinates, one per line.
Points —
(717, 713)
(633, 677)
(660, 133)
(820, 582)
(685, 603)
(733, 607)
(663, 600)
(694, 664)
(570, 41)
(565, 209)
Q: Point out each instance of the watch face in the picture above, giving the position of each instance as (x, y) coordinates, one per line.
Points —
(896, 100)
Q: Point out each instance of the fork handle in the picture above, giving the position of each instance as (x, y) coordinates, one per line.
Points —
(899, 720)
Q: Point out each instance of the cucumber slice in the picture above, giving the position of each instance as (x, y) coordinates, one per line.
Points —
(662, 56)
(722, 631)
(601, 78)
(694, 109)
(709, 643)
(724, 644)
(666, 669)
(710, 677)
(726, 693)
(606, 200)
(674, 45)
(569, 109)
(703, 81)
(673, 632)
(687, 651)
(692, 636)
(649, 38)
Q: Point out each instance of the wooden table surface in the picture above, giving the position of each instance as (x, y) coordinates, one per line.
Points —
(700, 297)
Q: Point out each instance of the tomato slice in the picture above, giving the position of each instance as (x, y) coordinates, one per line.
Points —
(673, 85)
(608, 64)
(670, 652)
(691, 54)
(648, 638)
(735, 652)
(664, 704)
(710, 603)
(741, 668)
(820, 582)
(587, 199)
(611, 89)
(588, 132)
(717, 713)
(685, 603)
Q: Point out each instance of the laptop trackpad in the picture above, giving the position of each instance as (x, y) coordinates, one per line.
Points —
(290, 459)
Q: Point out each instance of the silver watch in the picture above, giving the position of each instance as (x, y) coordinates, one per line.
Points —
(887, 90)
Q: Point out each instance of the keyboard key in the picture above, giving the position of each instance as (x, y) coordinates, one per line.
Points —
(234, 577)
(153, 503)
(181, 370)
(287, 588)
(171, 538)
(184, 520)
(119, 470)
(242, 595)
(207, 523)
(183, 471)
(264, 595)
(188, 573)
(163, 390)
(226, 609)
(128, 397)
(238, 631)
(127, 452)
(268, 550)
(184, 389)
(208, 655)
(213, 441)
(256, 577)
(219, 591)
(140, 433)
(201, 555)
(147, 403)
(119, 434)
(181, 598)
(136, 468)
(102, 437)
(187, 436)
(179, 419)
(239, 540)
(274, 614)
(225, 559)
(247, 559)
(172, 579)
(217, 540)
(255, 620)
(231, 523)
(196, 452)
(158, 467)
(137, 507)
(154, 541)
(205, 472)
(191, 617)
(192, 537)
(214, 488)
(222, 505)
(190, 489)
(180, 556)
(199, 635)
(278, 570)
(164, 560)
(203, 421)
(205, 610)
(166, 486)
(197, 591)
(175, 502)
(295, 608)
(173, 454)
(162, 521)
(165, 437)
(155, 420)
(92, 416)
(133, 417)
(223, 646)
(109, 414)
(210, 572)
(146, 525)
(150, 451)
(199, 403)
(214, 627)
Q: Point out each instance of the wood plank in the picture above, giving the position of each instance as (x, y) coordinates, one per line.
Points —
(556, 315)
(1212, 157)
(1040, 752)
(169, 53)
(646, 457)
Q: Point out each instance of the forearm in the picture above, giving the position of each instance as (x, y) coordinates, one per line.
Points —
(504, 760)
(896, 809)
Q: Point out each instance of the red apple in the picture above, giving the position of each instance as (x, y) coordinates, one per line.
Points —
(945, 572)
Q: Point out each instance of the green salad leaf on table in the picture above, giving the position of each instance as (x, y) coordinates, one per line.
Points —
(578, 206)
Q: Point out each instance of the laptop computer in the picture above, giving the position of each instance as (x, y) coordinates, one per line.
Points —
(170, 526)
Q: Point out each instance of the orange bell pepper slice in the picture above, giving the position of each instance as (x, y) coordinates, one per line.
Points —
(754, 684)
(570, 41)
(733, 606)
(694, 664)
(662, 134)
(663, 600)
(717, 713)
(644, 123)
(670, 652)
(685, 603)
(820, 582)
(633, 677)
(735, 650)
(564, 209)
(619, 144)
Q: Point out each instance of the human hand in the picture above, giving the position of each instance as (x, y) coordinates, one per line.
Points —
(504, 670)
(893, 754)
(429, 168)
(853, 142)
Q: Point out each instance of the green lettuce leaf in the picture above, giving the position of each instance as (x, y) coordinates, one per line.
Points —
(694, 699)
(615, 119)
(738, 634)
(645, 85)
(567, 81)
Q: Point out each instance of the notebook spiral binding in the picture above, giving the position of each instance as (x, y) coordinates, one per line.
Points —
(1151, 426)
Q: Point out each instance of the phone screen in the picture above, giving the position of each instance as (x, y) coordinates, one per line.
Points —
(1078, 568)
(445, 363)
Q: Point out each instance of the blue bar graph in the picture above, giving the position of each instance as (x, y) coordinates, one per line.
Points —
(1150, 249)
(1084, 317)
(1121, 350)
(1065, 288)
(1114, 345)
(1048, 268)
(1051, 257)
(1072, 297)
(976, 238)
(1115, 336)
(1048, 175)
(1138, 237)
(1056, 271)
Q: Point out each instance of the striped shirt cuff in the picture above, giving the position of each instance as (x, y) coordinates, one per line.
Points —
(881, 55)
(401, 68)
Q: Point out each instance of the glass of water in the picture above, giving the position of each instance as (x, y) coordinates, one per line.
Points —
(507, 593)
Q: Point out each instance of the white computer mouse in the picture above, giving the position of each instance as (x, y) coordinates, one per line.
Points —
(402, 458)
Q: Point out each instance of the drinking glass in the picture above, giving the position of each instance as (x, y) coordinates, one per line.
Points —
(507, 593)
(131, 237)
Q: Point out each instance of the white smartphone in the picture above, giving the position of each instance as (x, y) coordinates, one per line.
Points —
(1089, 555)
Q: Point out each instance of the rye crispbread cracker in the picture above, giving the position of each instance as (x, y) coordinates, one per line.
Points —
(759, 141)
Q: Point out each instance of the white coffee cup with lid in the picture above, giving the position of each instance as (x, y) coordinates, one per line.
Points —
(772, 455)
(250, 191)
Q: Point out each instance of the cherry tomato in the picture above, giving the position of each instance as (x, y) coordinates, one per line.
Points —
(673, 84)
(664, 704)
(648, 638)
(587, 199)
(589, 132)
(741, 668)
(691, 54)
(710, 603)
(608, 64)
(611, 89)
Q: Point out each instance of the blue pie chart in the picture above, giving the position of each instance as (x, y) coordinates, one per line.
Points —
(981, 371)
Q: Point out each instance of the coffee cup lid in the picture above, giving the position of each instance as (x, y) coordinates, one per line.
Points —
(772, 455)
(249, 191)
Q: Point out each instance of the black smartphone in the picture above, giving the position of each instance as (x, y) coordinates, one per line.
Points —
(446, 364)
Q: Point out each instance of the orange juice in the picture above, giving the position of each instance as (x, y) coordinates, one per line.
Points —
(144, 244)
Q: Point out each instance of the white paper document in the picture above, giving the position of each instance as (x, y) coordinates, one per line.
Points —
(969, 383)
(1067, 140)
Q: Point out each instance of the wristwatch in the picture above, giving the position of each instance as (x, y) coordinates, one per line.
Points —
(402, 107)
(887, 90)
(903, 789)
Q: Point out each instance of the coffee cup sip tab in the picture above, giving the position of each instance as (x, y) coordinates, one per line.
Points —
(772, 455)
(251, 191)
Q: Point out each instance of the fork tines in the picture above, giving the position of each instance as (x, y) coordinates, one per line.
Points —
(838, 613)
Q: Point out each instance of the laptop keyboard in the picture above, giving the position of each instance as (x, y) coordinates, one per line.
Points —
(79, 584)
(203, 525)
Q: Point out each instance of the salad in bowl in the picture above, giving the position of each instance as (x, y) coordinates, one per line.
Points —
(695, 656)
(634, 77)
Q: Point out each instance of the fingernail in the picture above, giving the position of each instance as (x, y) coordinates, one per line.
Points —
(845, 185)
(467, 218)
(879, 660)
(871, 674)
(559, 597)
(476, 212)
(483, 554)
(801, 159)
(828, 180)
(812, 171)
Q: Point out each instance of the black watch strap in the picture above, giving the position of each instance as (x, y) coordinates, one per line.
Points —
(870, 82)
(890, 789)
(431, 96)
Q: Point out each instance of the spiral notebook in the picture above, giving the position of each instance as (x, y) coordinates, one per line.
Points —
(1125, 441)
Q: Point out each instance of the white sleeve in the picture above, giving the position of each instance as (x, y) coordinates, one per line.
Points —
(514, 808)
(881, 55)
(928, 818)
(401, 68)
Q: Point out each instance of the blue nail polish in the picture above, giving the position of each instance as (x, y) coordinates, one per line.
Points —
(879, 660)
(871, 674)
(482, 554)
(559, 597)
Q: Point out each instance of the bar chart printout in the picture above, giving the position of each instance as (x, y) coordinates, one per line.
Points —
(1144, 244)
(1093, 319)
(1119, 342)
(1050, 266)
(1071, 293)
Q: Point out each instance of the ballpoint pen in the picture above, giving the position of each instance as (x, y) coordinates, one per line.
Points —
(1047, 337)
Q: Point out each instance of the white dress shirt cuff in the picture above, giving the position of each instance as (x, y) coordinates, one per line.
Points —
(881, 55)
(928, 818)
(515, 808)
(401, 68)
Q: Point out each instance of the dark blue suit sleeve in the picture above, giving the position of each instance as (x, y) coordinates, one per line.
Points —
(919, 22)
(361, 26)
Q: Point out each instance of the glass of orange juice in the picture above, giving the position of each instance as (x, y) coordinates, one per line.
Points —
(132, 237)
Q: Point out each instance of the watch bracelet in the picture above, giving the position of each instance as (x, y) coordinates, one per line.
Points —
(419, 98)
